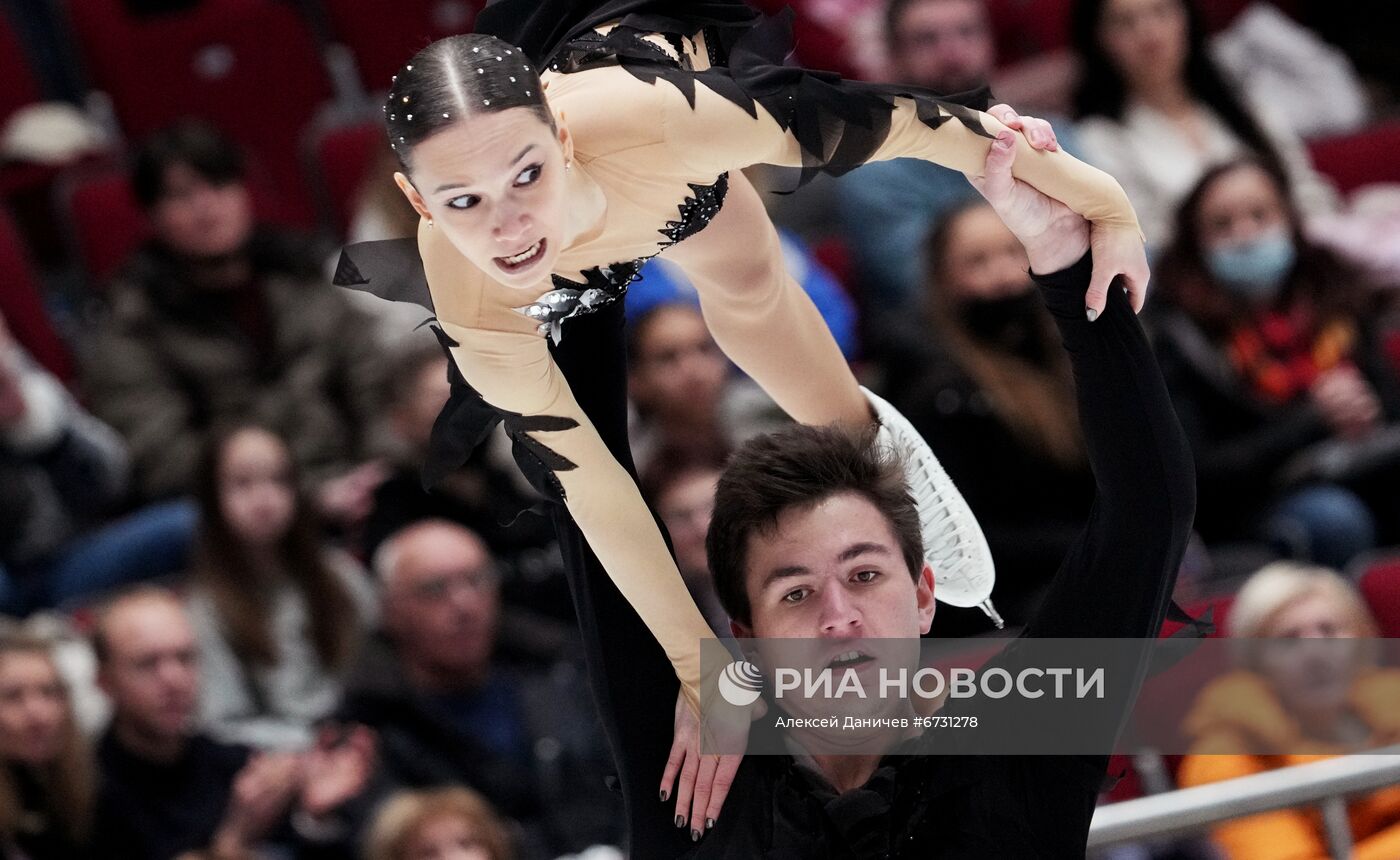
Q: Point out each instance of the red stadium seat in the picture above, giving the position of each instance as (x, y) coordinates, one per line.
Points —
(249, 66)
(105, 223)
(1359, 159)
(22, 305)
(382, 35)
(1380, 585)
(20, 87)
(341, 158)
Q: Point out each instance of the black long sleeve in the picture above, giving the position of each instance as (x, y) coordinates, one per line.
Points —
(1117, 578)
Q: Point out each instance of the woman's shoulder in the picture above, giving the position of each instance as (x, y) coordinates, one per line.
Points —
(608, 109)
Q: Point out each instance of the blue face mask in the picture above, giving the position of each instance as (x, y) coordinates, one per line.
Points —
(1254, 269)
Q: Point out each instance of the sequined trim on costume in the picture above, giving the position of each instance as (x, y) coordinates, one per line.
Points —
(604, 284)
(697, 211)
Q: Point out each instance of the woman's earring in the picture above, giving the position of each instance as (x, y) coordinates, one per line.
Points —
(430, 223)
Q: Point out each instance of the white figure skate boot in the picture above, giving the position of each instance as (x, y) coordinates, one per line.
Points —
(954, 545)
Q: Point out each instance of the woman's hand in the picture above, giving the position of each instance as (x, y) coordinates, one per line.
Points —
(1054, 236)
(704, 779)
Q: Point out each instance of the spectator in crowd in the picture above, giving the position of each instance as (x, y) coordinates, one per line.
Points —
(447, 711)
(983, 378)
(441, 824)
(681, 489)
(168, 788)
(676, 379)
(219, 318)
(61, 470)
(46, 776)
(278, 614)
(1156, 111)
(1297, 699)
(888, 207)
(1278, 373)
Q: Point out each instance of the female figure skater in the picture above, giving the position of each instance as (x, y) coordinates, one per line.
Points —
(548, 163)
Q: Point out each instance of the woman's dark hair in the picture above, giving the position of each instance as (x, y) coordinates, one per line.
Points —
(1332, 287)
(1035, 401)
(192, 143)
(454, 78)
(223, 567)
(1102, 91)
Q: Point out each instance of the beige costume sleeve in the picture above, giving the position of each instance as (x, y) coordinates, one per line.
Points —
(509, 365)
(717, 135)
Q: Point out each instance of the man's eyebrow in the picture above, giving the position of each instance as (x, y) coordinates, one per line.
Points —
(854, 551)
(448, 186)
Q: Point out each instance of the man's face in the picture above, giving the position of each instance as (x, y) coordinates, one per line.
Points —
(834, 571)
(198, 218)
(442, 602)
(944, 45)
(152, 670)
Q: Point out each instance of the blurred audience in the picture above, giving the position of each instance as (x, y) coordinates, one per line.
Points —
(676, 378)
(442, 824)
(220, 318)
(1156, 112)
(47, 774)
(278, 614)
(1298, 698)
(448, 711)
(61, 472)
(887, 208)
(1270, 350)
(982, 376)
(681, 489)
(168, 788)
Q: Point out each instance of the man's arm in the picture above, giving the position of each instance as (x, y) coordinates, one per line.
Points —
(1117, 579)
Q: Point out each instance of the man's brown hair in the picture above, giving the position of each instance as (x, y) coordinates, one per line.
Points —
(799, 468)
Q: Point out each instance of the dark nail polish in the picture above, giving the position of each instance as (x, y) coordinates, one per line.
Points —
(680, 821)
(709, 822)
(664, 794)
(695, 836)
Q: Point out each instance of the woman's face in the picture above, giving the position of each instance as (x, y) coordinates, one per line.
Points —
(255, 487)
(678, 371)
(1145, 39)
(1239, 207)
(1311, 658)
(33, 709)
(495, 186)
(983, 259)
(446, 837)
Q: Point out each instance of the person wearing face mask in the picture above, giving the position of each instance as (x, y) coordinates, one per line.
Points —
(994, 379)
(1272, 355)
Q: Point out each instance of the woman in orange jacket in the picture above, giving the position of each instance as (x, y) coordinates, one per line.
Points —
(1298, 700)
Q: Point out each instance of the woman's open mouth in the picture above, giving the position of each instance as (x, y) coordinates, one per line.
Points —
(522, 261)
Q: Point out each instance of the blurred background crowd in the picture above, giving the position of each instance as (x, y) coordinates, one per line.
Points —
(239, 627)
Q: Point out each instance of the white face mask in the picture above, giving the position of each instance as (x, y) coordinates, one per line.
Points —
(1255, 269)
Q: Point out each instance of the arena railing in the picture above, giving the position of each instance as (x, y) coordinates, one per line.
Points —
(1325, 784)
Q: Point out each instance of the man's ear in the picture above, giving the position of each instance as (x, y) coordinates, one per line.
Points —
(924, 587)
(414, 198)
(740, 630)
